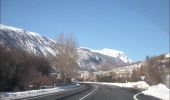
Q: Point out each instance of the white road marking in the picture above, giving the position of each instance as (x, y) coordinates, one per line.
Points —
(49, 94)
(88, 93)
(135, 96)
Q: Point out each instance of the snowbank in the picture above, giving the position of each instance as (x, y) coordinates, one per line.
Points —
(159, 91)
(138, 85)
(167, 55)
(31, 93)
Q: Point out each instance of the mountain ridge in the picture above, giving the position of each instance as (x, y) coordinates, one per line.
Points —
(112, 53)
(38, 44)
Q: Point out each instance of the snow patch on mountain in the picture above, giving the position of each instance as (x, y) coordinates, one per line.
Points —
(108, 52)
(30, 41)
(112, 53)
(9, 28)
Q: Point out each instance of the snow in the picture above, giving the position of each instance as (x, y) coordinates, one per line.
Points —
(160, 91)
(10, 28)
(31, 41)
(34, 34)
(137, 85)
(4, 27)
(112, 53)
(167, 55)
(32, 93)
(51, 51)
(108, 52)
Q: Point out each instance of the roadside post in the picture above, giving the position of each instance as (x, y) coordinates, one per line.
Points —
(168, 81)
(142, 77)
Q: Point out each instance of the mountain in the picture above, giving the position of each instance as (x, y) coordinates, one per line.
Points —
(91, 60)
(32, 42)
(113, 53)
(29, 41)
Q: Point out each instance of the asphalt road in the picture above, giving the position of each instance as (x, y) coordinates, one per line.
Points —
(96, 92)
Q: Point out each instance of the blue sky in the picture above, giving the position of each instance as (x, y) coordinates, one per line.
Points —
(136, 27)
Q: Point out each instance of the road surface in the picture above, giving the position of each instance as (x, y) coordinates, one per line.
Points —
(96, 92)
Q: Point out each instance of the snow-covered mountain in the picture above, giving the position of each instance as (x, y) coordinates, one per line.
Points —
(29, 41)
(32, 42)
(90, 60)
(113, 53)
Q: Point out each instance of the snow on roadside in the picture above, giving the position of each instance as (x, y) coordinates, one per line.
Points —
(160, 91)
(32, 93)
(167, 55)
(138, 85)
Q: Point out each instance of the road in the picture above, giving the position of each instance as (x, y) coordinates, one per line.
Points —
(96, 92)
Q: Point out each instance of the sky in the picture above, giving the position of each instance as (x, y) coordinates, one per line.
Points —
(139, 28)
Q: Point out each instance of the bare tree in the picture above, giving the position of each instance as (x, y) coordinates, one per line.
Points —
(67, 56)
(19, 69)
(153, 71)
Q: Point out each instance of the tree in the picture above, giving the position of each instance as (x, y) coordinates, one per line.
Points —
(147, 57)
(18, 69)
(153, 71)
(135, 75)
(67, 56)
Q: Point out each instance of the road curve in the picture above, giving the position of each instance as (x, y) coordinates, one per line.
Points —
(97, 92)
